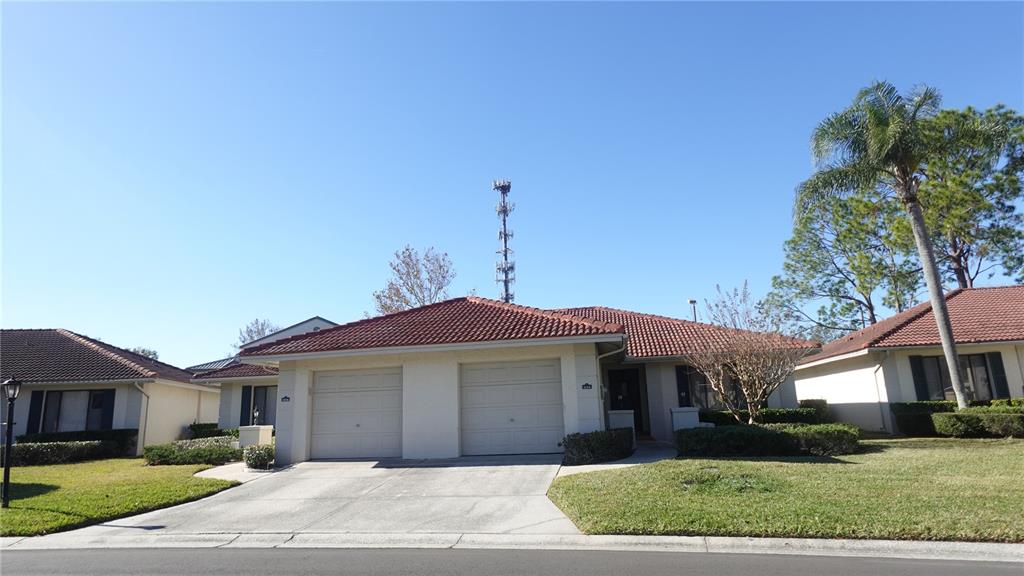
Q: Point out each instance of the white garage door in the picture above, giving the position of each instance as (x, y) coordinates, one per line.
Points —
(357, 414)
(511, 407)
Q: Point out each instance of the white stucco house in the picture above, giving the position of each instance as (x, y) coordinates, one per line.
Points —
(75, 383)
(248, 391)
(900, 358)
(472, 376)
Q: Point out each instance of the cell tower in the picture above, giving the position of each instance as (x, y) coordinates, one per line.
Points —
(505, 269)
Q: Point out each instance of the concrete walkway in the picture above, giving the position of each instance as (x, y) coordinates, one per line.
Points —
(234, 472)
(644, 454)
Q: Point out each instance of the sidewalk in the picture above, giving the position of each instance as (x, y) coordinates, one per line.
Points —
(962, 551)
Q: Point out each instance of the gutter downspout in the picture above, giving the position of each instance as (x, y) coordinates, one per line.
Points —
(142, 429)
(878, 395)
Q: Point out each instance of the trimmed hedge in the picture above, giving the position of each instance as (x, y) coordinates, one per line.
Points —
(210, 442)
(205, 430)
(820, 408)
(44, 453)
(915, 418)
(995, 409)
(1007, 402)
(259, 457)
(233, 432)
(768, 416)
(163, 454)
(125, 438)
(966, 424)
(598, 446)
(769, 440)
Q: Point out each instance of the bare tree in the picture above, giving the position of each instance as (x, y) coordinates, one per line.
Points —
(751, 353)
(415, 281)
(147, 352)
(255, 330)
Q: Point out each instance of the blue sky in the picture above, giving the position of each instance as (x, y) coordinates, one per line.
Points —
(171, 171)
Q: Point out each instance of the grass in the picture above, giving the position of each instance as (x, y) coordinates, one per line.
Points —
(47, 499)
(922, 489)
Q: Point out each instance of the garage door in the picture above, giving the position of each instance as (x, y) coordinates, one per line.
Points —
(511, 407)
(357, 414)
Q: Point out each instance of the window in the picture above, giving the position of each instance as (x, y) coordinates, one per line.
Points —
(264, 399)
(931, 377)
(693, 389)
(76, 410)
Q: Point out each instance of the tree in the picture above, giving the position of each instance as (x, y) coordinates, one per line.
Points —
(147, 352)
(970, 190)
(255, 330)
(845, 255)
(881, 143)
(751, 354)
(415, 281)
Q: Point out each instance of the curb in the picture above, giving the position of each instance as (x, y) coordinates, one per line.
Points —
(960, 551)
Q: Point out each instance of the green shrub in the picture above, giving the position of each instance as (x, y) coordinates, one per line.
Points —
(161, 454)
(768, 416)
(822, 414)
(204, 430)
(915, 418)
(739, 440)
(825, 439)
(42, 453)
(968, 424)
(995, 409)
(233, 432)
(598, 446)
(212, 441)
(1007, 402)
(259, 457)
(125, 438)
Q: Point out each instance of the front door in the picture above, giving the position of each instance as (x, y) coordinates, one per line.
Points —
(625, 391)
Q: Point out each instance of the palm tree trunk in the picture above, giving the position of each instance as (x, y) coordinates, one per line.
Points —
(938, 300)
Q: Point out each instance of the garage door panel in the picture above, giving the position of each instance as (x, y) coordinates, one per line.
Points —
(511, 408)
(357, 415)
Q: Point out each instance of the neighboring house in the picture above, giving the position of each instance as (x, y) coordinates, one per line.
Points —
(900, 358)
(472, 376)
(73, 383)
(249, 392)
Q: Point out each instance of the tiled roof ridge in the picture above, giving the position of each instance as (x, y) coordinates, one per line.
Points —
(898, 323)
(213, 374)
(90, 343)
(553, 314)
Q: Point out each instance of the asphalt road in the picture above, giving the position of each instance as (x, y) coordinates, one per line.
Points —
(467, 562)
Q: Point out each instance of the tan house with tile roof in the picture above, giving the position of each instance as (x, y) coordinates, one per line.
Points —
(900, 358)
(472, 376)
(75, 383)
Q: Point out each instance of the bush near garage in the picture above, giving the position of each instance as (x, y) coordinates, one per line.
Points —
(170, 454)
(125, 438)
(211, 442)
(45, 453)
(781, 439)
(598, 446)
(259, 457)
(768, 416)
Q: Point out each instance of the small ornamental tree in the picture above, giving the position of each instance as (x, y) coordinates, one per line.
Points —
(751, 353)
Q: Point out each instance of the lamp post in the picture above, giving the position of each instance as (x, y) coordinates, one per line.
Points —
(11, 388)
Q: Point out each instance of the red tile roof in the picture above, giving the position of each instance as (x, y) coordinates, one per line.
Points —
(58, 355)
(652, 336)
(237, 370)
(978, 315)
(461, 320)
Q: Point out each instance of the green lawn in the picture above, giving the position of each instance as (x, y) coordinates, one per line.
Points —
(48, 499)
(928, 489)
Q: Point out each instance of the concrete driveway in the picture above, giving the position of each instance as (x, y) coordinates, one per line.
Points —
(481, 495)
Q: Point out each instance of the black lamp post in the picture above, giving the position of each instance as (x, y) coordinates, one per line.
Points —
(11, 388)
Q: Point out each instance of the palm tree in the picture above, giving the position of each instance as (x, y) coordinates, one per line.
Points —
(880, 142)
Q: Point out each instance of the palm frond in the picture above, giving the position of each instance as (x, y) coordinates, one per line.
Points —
(831, 182)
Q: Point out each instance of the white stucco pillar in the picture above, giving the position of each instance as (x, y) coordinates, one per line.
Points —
(570, 402)
(430, 409)
(588, 389)
(293, 395)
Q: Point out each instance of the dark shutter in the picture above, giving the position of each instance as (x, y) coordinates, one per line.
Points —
(107, 419)
(920, 383)
(245, 416)
(35, 412)
(683, 386)
(1000, 387)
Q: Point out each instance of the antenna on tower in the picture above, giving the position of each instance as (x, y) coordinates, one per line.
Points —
(505, 269)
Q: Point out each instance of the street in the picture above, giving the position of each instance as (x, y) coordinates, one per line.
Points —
(410, 562)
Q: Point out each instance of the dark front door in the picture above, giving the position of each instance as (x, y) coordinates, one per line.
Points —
(624, 389)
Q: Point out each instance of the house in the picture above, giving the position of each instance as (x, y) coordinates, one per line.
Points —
(472, 376)
(74, 383)
(249, 392)
(900, 359)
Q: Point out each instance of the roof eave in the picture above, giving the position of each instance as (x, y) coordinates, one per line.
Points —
(490, 344)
